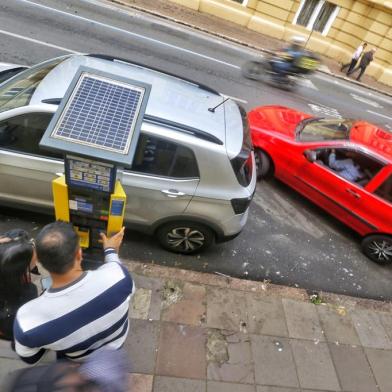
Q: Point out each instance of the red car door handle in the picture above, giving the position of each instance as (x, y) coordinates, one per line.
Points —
(353, 193)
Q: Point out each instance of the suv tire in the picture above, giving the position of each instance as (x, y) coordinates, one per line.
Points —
(185, 237)
(378, 247)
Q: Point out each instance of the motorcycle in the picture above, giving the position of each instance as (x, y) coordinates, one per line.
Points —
(265, 69)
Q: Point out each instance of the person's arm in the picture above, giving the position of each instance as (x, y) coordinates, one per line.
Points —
(26, 353)
(111, 246)
(332, 162)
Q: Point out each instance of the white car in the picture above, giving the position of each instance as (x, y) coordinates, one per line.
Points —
(198, 181)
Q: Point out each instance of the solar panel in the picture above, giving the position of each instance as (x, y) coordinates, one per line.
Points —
(101, 114)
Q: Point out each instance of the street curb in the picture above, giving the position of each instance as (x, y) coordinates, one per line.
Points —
(335, 301)
(239, 42)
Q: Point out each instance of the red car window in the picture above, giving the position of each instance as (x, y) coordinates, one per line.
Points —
(385, 190)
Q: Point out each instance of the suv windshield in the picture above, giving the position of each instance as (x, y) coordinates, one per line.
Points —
(19, 90)
(319, 129)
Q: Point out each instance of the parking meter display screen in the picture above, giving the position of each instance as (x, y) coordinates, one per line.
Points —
(89, 174)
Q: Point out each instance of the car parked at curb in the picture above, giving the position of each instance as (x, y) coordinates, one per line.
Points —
(302, 150)
(193, 175)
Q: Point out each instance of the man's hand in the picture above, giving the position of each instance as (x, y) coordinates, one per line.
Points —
(114, 241)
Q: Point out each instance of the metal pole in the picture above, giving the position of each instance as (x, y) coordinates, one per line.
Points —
(309, 36)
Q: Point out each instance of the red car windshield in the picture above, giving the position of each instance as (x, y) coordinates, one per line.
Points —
(321, 129)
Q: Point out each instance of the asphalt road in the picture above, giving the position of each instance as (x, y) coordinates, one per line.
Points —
(287, 240)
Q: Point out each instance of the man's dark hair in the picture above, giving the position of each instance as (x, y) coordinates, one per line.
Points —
(15, 258)
(56, 246)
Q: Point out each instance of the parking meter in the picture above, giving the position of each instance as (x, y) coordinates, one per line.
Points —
(96, 128)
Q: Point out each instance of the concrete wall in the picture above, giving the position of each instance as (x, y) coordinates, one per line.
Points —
(357, 21)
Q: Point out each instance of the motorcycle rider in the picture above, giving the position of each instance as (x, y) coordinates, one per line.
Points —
(286, 61)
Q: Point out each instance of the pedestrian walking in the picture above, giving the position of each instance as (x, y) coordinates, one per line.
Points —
(81, 311)
(366, 59)
(354, 59)
(103, 371)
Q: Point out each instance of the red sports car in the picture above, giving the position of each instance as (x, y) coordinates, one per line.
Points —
(344, 166)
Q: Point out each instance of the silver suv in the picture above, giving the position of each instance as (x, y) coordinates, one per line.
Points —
(193, 176)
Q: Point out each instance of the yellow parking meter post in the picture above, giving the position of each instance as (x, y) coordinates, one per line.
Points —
(60, 199)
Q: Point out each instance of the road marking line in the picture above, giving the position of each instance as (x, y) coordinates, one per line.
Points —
(366, 100)
(38, 42)
(379, 114)
(324, 110)
(129, 33)
(307, 83)
(346, 84)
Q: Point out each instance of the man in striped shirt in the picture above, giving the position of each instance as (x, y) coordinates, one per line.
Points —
(82, 311)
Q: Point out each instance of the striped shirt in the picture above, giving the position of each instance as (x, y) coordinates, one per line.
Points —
(77, 319)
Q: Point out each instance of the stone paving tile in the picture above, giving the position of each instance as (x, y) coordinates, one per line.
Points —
(140, 382)
(190, 309)
(381, 364)
(6, 350)
(386, 321)
(337, 327)
(229, 357)
(370, 330)
(8, 366)
(266, 316)
(142, 344)
(261, 388)
(302, 320)
(353, 368)
(314, 365)
(182, 351)
(171, 384)
(155, 286)
(271, 355)
(215, 386)
(227, 309)
(140, 304)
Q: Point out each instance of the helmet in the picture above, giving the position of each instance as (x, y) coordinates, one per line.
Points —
(297, 40)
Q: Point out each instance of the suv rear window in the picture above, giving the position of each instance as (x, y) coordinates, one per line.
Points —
(18, 91)
(243, 164)
(163, 158)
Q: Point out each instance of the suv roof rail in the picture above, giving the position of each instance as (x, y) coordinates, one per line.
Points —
(161, 121)
(182, 128)
(111, 58)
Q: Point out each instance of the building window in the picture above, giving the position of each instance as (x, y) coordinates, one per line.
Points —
(243, 2)
(316, 15)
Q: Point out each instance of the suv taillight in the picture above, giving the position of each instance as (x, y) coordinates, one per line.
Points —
(240, 205)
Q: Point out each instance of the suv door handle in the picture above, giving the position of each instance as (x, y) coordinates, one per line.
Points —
(172, 192)
(353, 193)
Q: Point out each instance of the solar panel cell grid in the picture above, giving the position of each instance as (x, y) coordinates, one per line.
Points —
(101, 113)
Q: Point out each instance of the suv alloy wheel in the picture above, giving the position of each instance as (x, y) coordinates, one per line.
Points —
(185, 237)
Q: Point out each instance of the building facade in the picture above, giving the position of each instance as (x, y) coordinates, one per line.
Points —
(333, 28)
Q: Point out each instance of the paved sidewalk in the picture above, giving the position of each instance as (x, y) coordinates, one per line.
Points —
(196, 332)
(236, 33)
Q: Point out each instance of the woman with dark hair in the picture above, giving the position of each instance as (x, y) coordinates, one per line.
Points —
(17, 259)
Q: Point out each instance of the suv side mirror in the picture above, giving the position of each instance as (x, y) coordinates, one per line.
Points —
(310, 155)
